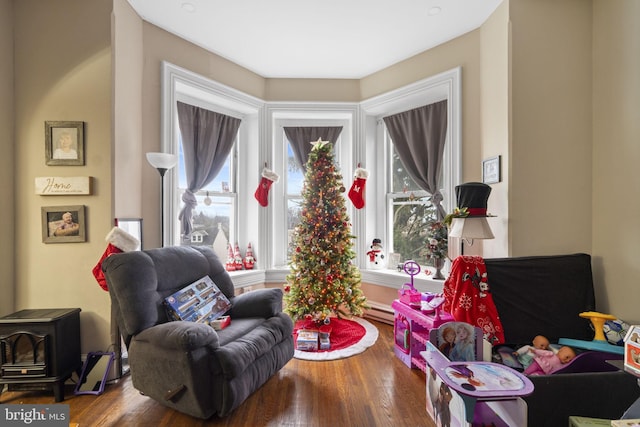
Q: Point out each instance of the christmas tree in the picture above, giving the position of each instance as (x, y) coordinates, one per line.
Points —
(323, 279)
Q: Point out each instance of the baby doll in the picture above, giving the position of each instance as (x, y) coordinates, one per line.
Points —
(547, 362)
(525, 354)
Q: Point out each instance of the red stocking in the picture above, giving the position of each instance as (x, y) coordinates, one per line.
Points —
(118, 241)
(97, 270)
(356, 193)
(262, 193)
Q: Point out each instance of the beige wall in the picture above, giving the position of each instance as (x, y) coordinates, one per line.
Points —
(126, 39)
(494, 123)
(62, 72)
(550, 171)
(616, 153)
(7, 167)
(317, 90)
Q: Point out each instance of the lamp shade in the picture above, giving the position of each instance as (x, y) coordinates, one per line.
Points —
(471, 228)
(162, 160)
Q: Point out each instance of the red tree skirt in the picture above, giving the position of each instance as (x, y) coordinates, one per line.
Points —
(348, 337)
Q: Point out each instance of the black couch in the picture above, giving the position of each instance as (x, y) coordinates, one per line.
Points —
(543, 295)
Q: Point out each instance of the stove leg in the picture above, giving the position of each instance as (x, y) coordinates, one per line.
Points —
(58, 391)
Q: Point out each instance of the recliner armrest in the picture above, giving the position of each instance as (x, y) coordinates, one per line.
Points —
(180, 335)
(257, 303)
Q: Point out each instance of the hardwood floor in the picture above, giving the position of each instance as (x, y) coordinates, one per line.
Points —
(373, 388)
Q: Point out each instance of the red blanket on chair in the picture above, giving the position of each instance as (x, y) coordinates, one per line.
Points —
(468, 297)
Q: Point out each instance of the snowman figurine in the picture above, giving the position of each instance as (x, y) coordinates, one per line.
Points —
(376, 256)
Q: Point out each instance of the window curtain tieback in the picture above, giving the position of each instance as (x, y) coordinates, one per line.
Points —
(436, 200)
(186, 213)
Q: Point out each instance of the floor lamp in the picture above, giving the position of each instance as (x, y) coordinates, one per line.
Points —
(162, 162)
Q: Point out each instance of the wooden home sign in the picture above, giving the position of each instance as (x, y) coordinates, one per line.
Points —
(63, 186)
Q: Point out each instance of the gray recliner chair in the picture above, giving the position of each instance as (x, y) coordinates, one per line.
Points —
(188, 366)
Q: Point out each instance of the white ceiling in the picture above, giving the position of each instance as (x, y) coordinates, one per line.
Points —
(338, 39)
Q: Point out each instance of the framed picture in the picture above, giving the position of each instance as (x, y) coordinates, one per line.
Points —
(132, 226)
(491, 170)
(63, 224)
(64, 143)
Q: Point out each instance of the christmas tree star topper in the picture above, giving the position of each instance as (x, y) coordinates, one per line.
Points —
(318, 144)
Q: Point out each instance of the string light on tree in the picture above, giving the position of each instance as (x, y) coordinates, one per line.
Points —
(323, 280)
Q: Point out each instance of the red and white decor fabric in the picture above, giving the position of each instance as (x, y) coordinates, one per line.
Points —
(468, 297)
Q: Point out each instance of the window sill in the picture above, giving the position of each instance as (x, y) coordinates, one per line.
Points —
(388, 278)
(246, 278)
(394, 279)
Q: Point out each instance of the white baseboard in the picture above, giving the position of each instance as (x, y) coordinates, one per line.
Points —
(380, 312)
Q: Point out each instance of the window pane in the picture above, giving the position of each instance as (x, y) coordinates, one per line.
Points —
(294, 183)
(410, 217)
(295, 174)
(211, 212)
(221, 183)
(215, 211)
(401, 182)
(294, 207)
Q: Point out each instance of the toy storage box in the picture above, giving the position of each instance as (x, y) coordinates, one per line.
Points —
(447, 408)
(468, 391)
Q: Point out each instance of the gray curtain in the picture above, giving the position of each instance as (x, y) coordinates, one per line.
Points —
(207, 138)
(419, 136)
(301, 138)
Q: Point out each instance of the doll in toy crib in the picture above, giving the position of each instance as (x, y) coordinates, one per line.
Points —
(525, 353)
(524, 358)
(548, 361)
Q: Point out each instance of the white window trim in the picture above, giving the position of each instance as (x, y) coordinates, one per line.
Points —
(180, 84)
(280, 115)
(256, 149)
(446, 85)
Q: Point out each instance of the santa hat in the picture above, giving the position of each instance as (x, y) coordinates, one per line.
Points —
(118, 241)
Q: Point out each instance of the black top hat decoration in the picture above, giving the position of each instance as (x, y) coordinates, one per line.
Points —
(473, 197)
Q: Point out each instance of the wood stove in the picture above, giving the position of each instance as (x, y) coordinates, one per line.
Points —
(40, 349)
